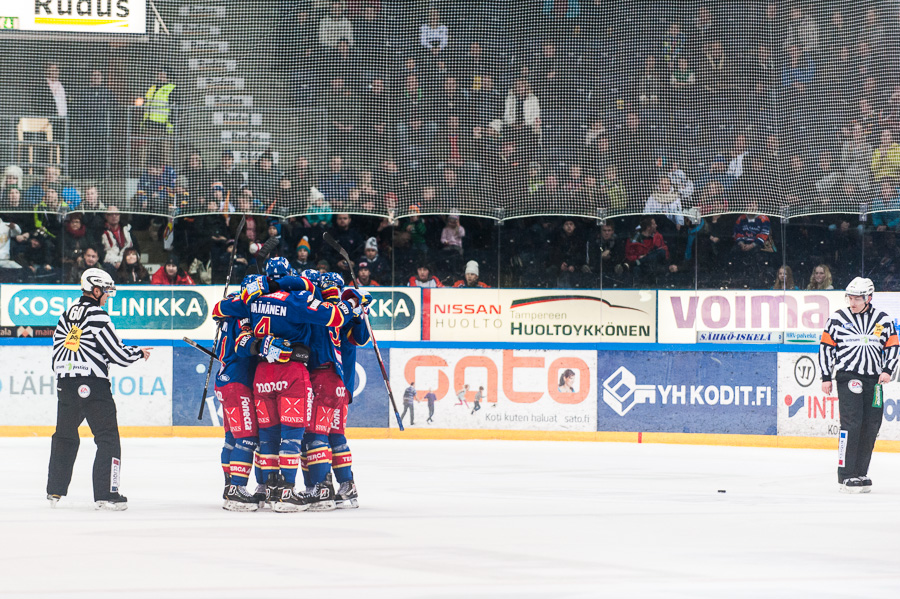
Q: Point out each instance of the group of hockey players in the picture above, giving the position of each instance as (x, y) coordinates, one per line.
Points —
(287, 351)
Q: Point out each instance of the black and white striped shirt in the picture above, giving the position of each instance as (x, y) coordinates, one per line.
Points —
(864, 343)
(85, 342)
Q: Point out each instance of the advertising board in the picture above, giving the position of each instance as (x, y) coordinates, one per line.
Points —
(143, 391)
(163, 312)
(75, 16)
(687, 392)
(805, 411)
(794, 317)
(552, 316)
(189, 374)
(521, 389)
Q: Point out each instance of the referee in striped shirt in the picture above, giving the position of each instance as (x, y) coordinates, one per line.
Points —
(85, 343)
(858, 351)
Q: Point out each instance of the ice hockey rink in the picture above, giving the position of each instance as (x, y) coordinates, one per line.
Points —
(463, 519)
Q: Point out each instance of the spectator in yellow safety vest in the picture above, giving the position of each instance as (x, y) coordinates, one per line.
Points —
(158, 103)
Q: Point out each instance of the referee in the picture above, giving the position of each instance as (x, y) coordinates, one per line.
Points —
(858, 350)
(84, 344)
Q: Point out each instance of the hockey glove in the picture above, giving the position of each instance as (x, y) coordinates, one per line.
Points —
(357, 298)
(275, 349)
(331, 284)
(254, 287)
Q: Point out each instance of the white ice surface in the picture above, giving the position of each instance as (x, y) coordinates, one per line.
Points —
(463, 519)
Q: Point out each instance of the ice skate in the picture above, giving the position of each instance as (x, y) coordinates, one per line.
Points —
(113, 503)
(53, 499)
(288, 501)
(238, 499)
(261, 497)
(346, 496)
(854, 485)
(867, 484)
(321, 498)
(273, 483)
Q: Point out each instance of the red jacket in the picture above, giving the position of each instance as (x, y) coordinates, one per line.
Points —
(181, 278)
(634, 250)
(462, 283)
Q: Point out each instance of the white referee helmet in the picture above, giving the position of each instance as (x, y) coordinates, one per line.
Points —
(97, 277)
(861, 286)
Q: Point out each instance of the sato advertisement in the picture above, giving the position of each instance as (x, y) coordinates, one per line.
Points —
(540, 315)
(804, 410)
(143, 391)
(75, 16)
(689, 392)
(189, 374)
(495, 389)
(745, 316)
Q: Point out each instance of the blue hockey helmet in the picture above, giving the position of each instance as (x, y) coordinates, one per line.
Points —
(277, 268)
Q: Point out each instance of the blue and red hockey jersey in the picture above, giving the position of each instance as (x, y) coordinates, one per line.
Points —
(289, 314)
(338, 345)
(237, 363)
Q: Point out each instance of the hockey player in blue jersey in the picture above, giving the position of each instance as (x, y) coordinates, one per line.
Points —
(281, 390)
(332, 375)
(238, 351)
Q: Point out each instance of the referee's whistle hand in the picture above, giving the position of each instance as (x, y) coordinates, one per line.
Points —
(826, 387)
(146, 352)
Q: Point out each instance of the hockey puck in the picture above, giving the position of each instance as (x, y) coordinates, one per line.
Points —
(721, 490)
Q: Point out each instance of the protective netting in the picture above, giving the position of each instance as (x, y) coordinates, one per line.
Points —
(500, 109)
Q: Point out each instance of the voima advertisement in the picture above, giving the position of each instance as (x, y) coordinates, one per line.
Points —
(531, 315)
(687, 392)
(163, 312)
(795, 317)
(805, 411)
(143, 391)
(521, 389)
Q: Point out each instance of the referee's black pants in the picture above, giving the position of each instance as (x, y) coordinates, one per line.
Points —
(859, 420)
(79, 398)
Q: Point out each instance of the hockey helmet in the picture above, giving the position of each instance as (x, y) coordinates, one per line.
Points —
(331, 279)
(861, 286)
(277, 268)
(97, 277)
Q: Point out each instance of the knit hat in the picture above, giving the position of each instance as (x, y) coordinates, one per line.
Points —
(274, 222)
(172, 259)
(472, 268)
(304, 244)
(371, 244)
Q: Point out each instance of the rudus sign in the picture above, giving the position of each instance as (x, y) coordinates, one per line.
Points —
(76, 16)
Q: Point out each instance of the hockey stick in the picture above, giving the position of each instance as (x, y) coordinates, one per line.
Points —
(337, 247)
(212, 357)
(196, 345)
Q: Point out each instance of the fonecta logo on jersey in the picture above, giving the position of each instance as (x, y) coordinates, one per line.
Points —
(621, 391)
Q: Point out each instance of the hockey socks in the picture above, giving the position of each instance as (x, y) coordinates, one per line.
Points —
(267, 457)
(227, 448)
(242, 460)
(318, 459)
(304, 447)
(341, 460)
(289, 452)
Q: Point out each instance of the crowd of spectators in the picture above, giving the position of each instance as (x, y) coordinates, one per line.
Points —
(696, 119)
